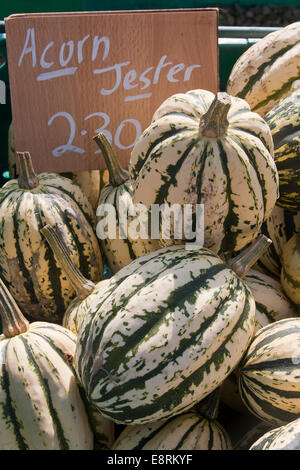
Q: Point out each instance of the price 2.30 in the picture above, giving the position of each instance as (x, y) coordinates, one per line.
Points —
(116, 138)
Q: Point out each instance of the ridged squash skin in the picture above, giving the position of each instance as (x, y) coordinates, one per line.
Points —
(285, 437)
(188, 431)
(78, 308)
(27, 264)
(284, 122)
(120, 251)
(279, 227)
(290, 273)
(233, 175)
(41, 406)
(90, 181)
(269, 380)
(271, 302)
(268, 70)
(165, 331)
(122, 246)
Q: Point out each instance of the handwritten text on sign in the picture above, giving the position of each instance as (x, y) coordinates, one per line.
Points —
(101, 77)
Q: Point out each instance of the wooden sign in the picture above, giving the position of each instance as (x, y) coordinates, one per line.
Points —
(73, 75)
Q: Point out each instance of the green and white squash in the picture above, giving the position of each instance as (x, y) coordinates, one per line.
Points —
(271, 302)
(85, 289)
(279, 227)
(27, 264)
(268, 70)
(165, 332)
(210, 150)
(122, 248)
(197, 429)
(284, 122)
(290, 273)
(41, 406)
(285, 437)
(188, 431)
(269, 380)
(90, 181)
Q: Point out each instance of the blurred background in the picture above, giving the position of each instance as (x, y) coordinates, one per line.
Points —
(240, 25)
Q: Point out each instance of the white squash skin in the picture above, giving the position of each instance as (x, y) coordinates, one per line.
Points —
(248, 203)
(120, 252)
(277, 73)
(271, 302)
(283, 438)
(115, 327)
(279, 227)
(22, 215)
(269, 375)
(39, 420)
(206, 435)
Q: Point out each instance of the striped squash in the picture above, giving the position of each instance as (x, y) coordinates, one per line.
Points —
(119, 250)
(284, 122)
(285, 437)
(269, 380)
(41, 407)
(27, 264)
(270, 301)
(165, 332)
(85, 289)
(90, 181)
(279, 227)
(268, 70)
(210, 150)
(290, 273)
(188, 431)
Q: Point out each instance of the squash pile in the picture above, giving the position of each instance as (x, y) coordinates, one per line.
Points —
(135, 343)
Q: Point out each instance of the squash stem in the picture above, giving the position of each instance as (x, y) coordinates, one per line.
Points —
(209, 406)
(82, 286)
(117, 174)
(244, 261)
(214, 122)
(27, 178)
(13, 321)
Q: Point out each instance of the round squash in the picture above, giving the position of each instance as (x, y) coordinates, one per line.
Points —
(165, 332)
(210, 150)
(188, 431)
(279, 227)
(269, 379)
(290, 273)
(285, 437)
(119, 250)
(270, 301)
(268, 70)
(40, 401)
(284, 122)
(27, 264)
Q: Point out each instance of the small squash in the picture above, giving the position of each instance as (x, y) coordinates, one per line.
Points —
(269, 377)
(193, 430)
(268, 70)
(279, 227)
(208, 149)
(121, 249)
(27, 264)
(286, 437)
(40, 400)
(284, 122)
